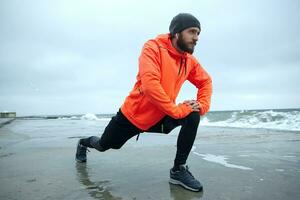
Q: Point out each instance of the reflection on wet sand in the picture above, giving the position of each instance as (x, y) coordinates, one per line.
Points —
(97, 189)
(101, 190)
(179, 193)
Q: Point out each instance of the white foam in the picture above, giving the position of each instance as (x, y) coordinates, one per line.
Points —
(193, 148)
(259, 119)
(71, 118)
(244, 155)
(89, 116)
(220, 160)
(74, 118)
(289, 156)
(104, 119)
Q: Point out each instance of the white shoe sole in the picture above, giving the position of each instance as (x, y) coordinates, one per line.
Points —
(176, 182)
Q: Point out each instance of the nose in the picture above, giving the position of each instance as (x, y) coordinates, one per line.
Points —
(195, 38)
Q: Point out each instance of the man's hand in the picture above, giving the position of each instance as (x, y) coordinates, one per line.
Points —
(195, 105)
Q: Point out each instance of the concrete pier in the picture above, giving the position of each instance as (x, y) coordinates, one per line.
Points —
(7, 114)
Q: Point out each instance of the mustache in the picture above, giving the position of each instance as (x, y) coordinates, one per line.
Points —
(194, 42)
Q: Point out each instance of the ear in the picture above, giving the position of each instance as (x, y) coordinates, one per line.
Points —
(176, 35)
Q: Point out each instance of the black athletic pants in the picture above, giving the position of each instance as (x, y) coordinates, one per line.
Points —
(119, 130)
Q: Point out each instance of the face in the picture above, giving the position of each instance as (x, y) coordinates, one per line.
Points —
(187, 39)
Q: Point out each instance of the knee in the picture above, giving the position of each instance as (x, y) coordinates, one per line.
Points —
(193, 118)
(100, 148)
(95, 142)
(117, 146)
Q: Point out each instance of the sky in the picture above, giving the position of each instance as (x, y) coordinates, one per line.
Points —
(77, 57)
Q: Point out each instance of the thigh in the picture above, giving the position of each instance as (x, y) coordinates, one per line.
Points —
(165, 125)
(117, 132)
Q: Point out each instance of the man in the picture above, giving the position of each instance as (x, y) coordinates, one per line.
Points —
(164, 64)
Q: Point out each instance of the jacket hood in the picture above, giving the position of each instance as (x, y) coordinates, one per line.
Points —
(164, 41)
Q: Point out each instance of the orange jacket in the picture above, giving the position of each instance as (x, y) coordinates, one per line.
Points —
(162, 71)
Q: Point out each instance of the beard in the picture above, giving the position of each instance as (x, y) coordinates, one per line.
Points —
(183, 45)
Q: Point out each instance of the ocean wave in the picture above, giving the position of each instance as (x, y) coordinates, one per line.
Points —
(288, 119)
(88, 116)
(270, 119)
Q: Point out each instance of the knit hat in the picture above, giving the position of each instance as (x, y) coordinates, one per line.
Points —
(183, 21)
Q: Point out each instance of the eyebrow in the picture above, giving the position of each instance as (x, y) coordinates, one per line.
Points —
(195, 30)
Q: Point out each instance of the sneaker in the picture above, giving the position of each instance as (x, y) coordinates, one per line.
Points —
(80, 153)
(185, 178)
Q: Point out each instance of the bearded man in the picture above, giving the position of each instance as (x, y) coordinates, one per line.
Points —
(165, 63)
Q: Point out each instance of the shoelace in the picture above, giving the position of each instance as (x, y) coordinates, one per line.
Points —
(187, 170)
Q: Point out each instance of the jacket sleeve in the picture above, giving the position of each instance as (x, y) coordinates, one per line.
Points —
(200, 78)
(149, 71)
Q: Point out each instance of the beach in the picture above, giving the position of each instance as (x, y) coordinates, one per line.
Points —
(37, 162)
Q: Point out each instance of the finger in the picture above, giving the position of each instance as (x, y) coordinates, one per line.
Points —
(189, 103)
(195, 109)
(195, 104)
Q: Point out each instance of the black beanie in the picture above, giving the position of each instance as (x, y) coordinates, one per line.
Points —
(183, 21)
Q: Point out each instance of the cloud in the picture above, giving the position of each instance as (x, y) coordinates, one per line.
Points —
(70, 57)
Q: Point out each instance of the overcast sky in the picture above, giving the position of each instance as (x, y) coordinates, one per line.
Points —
(73, 57)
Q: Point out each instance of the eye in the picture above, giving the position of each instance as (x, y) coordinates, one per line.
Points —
(195, 32)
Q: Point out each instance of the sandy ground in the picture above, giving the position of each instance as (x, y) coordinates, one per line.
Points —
(231, 163)
(4, 121)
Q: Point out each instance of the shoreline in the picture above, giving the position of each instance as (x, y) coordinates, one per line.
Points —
(5, 121)
(37, 162)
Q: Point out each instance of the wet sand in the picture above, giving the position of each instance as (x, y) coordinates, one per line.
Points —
(5, 121)
(231, 163)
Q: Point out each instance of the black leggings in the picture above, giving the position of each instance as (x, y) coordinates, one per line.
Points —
(119, 130)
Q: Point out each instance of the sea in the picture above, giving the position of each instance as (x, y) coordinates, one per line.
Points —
(276, 119)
